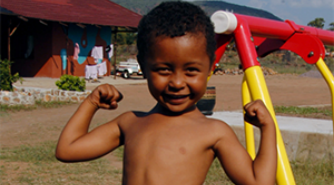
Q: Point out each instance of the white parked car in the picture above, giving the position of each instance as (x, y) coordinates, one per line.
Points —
(128, 68)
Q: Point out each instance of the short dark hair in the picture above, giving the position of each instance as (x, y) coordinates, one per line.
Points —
(174, 19)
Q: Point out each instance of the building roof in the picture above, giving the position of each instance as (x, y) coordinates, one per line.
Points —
(98, 12)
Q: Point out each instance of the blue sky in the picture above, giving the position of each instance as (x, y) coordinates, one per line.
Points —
(299, 11)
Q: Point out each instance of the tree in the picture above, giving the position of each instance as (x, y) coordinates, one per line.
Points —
(331, 26)
(130, 38)
(121, 38)
(317, 22)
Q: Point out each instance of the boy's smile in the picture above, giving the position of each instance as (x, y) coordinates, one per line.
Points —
(177, 70)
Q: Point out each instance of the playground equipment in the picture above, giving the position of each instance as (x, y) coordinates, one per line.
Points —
(257, 37)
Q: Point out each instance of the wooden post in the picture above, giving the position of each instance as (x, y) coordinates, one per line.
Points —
(67, 59)
(115, 52)
(67, 62)
(9, 34)
(9, 23)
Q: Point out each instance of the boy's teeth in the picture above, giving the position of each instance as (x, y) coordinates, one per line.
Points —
(177, 96)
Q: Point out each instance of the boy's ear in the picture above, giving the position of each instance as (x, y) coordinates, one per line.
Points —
(141, 63)
(211, 65)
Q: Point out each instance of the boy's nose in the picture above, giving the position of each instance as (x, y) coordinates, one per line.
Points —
(176, 82)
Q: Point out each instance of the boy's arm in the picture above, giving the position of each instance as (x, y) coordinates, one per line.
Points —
(235, 159)
(76, 143)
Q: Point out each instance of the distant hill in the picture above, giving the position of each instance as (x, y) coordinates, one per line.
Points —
(139, 6)
(211, 6)
(143, 6)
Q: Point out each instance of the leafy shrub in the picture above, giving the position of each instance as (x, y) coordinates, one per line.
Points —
(6, 78)
(71, 83)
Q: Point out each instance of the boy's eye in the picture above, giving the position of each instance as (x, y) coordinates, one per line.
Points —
(192, 70)
(164, 70)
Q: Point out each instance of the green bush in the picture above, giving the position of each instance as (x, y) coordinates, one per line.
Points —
(71, 83)
(6, 78)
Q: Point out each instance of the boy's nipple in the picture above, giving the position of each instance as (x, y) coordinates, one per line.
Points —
(182, 150)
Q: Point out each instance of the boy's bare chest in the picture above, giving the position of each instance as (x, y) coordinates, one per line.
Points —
(168, 137)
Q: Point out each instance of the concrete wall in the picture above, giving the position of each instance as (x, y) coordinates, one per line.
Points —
(305, 139)
(299, 146)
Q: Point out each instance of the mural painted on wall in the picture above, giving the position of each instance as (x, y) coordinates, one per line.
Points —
(87, 42)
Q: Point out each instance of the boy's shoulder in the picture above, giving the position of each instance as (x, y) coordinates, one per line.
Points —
(133, 114)
(130, 117)
(218, 126)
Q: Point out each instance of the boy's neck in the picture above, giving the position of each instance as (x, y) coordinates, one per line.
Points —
(165, 111)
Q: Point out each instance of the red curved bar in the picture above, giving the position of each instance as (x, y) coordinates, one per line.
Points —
(262, 27)
(268, 28)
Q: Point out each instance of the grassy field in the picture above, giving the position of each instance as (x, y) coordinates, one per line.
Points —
(37, 165)
(308, 112)
(38, 104)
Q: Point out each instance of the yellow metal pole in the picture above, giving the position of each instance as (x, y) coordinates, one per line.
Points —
(328, 76)
(249, 131)
(209, 77)
(258, 90)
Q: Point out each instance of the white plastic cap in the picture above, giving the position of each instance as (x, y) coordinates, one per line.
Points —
(224, 22)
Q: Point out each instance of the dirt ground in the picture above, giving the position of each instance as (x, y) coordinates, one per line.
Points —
(34, 126)
(41, 125)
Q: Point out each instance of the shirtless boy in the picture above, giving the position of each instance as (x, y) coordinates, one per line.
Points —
(174, 143)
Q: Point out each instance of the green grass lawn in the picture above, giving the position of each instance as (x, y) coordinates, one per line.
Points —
(4, 109)
(309, 112)
(37, 165)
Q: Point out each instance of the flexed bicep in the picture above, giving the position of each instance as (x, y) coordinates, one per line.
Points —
(94, 144)
(76, 143)
(234, 159)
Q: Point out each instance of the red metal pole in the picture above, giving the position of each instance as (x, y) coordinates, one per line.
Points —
(244, 44)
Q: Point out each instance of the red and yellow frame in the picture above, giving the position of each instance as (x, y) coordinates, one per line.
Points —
(257, 37)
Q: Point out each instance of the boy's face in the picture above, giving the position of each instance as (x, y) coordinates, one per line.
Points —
(177, 70)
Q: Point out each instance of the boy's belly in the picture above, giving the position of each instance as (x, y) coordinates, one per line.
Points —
(165, 150)
(149, 163)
